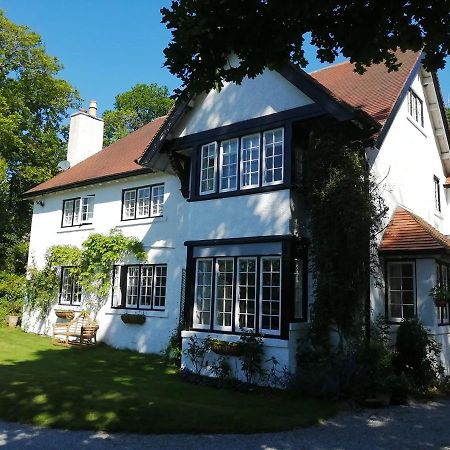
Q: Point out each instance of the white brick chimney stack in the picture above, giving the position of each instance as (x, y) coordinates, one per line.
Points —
(85, 135)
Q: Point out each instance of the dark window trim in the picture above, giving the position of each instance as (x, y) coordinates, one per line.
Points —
(123, 287)
(437, 200)
(386, 290)
(415, 96)
(440, 309)
(61, 286)
(135, 189)
(73, 211)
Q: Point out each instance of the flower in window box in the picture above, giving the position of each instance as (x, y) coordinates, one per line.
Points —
(64, 314)
(441, 295)
(136, 319)
(225, 348)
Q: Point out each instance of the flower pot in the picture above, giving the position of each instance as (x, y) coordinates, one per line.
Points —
(440, 302)
(64, 314)
(134, 319)
(226, 348)
(13, 321)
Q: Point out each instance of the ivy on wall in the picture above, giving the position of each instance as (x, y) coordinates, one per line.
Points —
(346, 213)
(91, 265)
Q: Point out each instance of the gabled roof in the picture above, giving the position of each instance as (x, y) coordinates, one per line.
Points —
(409, 233)
(117, 160)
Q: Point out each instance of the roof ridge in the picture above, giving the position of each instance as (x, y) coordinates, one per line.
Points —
(330, 66)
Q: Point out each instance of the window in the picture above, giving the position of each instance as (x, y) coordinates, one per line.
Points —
(70, 293)
(228, 295)
(437, 194)
(442, 277)
(140, 286)
(143, 202)
(236, 162)
(78, 211)
(415, 107)
(401, 290)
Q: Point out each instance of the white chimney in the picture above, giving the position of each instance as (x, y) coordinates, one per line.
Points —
(85, 135)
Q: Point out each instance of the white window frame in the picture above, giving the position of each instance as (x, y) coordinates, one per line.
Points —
(400, 263)
(69, 286)
(130, 205)
(203, 147)
(117, 291)
(263, 174)
(230, 142)
(415, 108)
(276, 332)
(157, 285)
(250, 186)
(128, 287)
(238, 291)
(195, 310)
(142, 202)
(82, 211)
(217, 273)
(155, 204)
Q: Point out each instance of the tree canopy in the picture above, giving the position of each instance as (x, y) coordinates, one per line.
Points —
(33, 103)
(271, 33)
(134, 108)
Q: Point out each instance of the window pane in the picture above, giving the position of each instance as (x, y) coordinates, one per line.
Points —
(224, 292)
(129, 204)
(143, 202)
(250, 160)
(70, 288)
(77, 211)
(146, 286)
(228, 165)
(270, 294)
(246, 302)
(203, 292)
(117, 292)
(87, 209)
(132, 286)
(68, 213)
(208, 168)
(273, 156)
(160, 287)
(401, 290)
(157, 200)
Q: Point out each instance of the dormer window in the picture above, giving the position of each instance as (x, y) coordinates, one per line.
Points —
(78, 211)
(415, 107)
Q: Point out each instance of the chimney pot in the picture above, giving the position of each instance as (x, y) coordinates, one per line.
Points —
(93, 108)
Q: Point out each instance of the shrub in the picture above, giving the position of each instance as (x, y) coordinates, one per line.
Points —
(12, 294)
(417, 356)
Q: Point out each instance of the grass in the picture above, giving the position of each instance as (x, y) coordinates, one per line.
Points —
(114, 390)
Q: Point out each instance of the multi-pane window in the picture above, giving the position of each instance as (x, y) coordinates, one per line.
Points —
(229, 297)
(415, 107)
(208, 168)
(250, 151)
(140, 286)
(78, 211)
(437, 194)
(442, 275)
(143, 202)
(401, 290)
(273, 156)
(235, 163)
(70, 289)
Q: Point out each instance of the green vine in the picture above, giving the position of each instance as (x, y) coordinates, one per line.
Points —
(91, 265)
(346, 215)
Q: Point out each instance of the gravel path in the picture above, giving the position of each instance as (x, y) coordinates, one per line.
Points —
(418, 426)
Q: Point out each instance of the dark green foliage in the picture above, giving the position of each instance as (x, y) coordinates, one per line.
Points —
(417, 356)
(12, 294)
(270, 33)
(252, 354)
(135, 108)
(173, 351)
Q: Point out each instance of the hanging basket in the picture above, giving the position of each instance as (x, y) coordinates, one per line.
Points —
(64, 314)
(226, 348)
(134, 319)
(440, 302)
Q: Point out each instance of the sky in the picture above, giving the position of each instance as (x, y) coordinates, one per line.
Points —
(107, 46)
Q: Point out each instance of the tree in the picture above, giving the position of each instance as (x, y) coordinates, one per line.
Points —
(33, 103)
(271, 33)
(134, 108)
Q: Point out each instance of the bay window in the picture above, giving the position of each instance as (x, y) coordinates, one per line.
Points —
(143, 202)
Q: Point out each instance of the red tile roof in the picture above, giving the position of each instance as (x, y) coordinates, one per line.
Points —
(375, 92)
(117, 159)
(408, 232)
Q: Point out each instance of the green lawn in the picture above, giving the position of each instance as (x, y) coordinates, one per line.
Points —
(106, 389)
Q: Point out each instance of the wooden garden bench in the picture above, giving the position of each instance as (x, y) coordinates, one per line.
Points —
(82, 331)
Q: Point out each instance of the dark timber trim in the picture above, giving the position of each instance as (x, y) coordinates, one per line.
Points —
(237, 241)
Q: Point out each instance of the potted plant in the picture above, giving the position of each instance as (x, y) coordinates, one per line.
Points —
(225, 348)
(135, 319)
(14, 312)
(440, 295)
(64, 314)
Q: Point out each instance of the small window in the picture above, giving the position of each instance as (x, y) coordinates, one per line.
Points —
(208, 168)
(228, 165)
(224, 293)
(270, 295)
(250, 161)
(203, 293)
(246, 293)
(70, 289)
(78, 211)
(437, 194)
(401, 290)
(143, 202)
(415, 107)
(140, 286)
(273, 157)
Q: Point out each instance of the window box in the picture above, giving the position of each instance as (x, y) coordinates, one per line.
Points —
(225, 348)
(64, 314)
(134, 319)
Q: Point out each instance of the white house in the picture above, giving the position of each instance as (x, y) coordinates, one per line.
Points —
(211, 192)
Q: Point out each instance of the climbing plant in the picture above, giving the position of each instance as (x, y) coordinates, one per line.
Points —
(91, 266)
(346, 213)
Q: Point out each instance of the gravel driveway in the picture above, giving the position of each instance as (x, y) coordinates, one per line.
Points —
(418, 426)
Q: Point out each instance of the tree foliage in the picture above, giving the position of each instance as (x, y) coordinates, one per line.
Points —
(33, 102)
(134, 108)
(271, 33)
